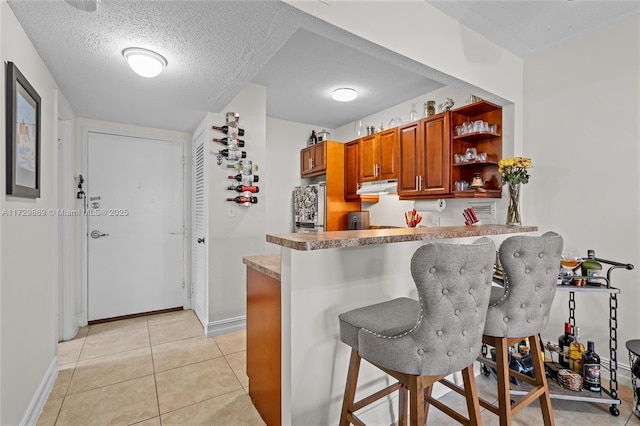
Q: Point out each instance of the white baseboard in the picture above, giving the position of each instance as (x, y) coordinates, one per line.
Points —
(42, 394)
(225, 326)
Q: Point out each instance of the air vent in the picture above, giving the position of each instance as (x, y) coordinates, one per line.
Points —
(484, 210)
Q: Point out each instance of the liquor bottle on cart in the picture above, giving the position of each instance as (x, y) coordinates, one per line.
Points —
(576, 349)
(591, 368)
(564, 342)
(592, 269)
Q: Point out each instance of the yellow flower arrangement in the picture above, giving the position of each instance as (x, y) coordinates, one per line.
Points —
(514, 170)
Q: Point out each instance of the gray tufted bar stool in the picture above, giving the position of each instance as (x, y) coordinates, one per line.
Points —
(531, 265)
(421, 342)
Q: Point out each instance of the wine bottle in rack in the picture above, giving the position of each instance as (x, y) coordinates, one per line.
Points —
(244, 200)
(232, 154)
(244, 166)
(244, 188)
(246, 178)
(230, 141)
(225, 129)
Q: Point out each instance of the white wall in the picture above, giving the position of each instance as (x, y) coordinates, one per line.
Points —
(28, 323)
(582, 104)
(232, 238)
(285, 139)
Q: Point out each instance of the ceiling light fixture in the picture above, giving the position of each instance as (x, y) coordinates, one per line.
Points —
(344, 94)
(144, 62)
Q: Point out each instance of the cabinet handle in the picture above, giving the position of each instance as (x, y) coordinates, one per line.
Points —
(420, 183)
(416, 183)
(378, 166)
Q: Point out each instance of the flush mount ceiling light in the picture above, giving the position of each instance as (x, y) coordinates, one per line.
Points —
(144, 62)
(344, 94)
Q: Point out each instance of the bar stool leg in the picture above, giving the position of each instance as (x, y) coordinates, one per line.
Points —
(350, 388)
(502, 370)
(402, 408)
(471, 394)
(541, 380)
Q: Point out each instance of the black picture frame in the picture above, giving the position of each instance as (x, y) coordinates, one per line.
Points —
(23, 135)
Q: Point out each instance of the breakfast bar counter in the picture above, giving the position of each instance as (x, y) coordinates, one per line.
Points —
(295, 359)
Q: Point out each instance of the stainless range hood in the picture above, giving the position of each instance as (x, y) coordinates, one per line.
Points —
(389, 186)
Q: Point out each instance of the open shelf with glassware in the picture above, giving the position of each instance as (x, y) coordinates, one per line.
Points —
(476, 129)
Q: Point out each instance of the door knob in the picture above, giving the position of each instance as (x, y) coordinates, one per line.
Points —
(200, 240)
(97, 234)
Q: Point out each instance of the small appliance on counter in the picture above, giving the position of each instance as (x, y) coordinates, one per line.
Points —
(309, 208)
(358, 220)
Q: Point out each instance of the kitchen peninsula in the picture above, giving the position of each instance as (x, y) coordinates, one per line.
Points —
(293, 302)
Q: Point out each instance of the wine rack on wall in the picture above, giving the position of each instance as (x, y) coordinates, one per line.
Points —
(244, 170)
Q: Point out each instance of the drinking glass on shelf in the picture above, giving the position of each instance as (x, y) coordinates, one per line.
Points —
(471, 154)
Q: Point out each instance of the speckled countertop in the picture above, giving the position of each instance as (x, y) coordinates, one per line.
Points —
(326, 240)
(268, 264)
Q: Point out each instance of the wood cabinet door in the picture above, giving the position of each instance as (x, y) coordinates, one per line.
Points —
(351, 170)
(319, 157)
(388, 154)
(411, 149)
(306, 157)
(437, 172)
(368, 157)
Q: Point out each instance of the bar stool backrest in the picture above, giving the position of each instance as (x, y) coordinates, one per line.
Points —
(531, 265)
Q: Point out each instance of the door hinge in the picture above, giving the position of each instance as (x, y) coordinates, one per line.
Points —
(184, 160)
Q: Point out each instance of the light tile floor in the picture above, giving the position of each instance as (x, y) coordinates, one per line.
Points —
(154, 370)
(160, 370)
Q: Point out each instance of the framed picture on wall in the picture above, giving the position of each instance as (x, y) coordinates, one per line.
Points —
(23, 135)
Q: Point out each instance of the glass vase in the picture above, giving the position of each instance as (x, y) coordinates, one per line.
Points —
(513, 211)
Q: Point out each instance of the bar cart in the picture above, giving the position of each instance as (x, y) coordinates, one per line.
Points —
(610, 394)
(607, 395)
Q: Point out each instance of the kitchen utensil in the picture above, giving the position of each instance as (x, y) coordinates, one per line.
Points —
(412, 218)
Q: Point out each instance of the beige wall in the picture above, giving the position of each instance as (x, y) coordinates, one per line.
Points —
(28, 320)
(582, 104)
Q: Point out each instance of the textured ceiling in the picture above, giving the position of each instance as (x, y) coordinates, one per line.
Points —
(528, 27)
(214, 48)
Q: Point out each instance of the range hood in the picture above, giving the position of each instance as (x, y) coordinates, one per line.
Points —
(379, 187)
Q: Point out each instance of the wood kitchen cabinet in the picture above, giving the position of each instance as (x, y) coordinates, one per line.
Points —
(489, 142)
(425, 158)
(327, 159)
(379, 156)
(352, 177)
(351, 170)
(313, 160)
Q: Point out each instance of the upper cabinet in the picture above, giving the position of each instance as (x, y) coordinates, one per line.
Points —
(351, 170)
(469, 131)
(379, 156)
(425, 158)
(313, 160)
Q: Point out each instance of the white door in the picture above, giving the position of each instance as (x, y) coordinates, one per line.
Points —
(135, 224)
(199, 169)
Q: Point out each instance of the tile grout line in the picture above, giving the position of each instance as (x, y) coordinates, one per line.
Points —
(66, 390)
(153, 365)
